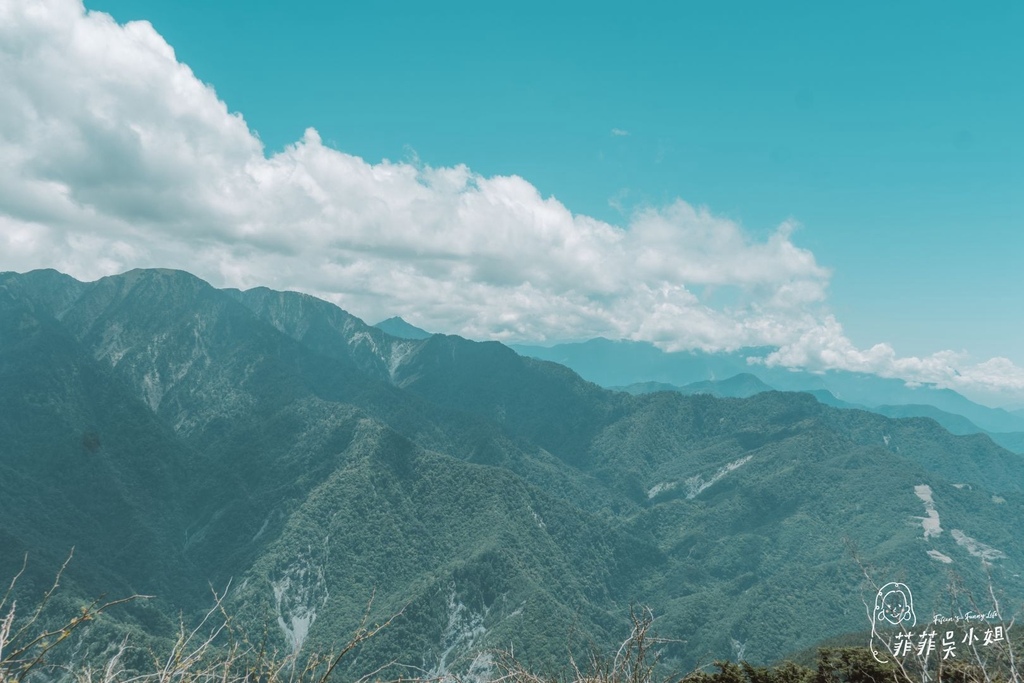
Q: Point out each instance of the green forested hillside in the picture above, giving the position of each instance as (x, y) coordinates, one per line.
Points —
(181, 436)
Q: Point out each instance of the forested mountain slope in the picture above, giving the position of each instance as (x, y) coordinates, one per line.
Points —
(180, 436)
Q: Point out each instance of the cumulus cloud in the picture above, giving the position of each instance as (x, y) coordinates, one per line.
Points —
(113, 155)
(619, 133)
(825, 346)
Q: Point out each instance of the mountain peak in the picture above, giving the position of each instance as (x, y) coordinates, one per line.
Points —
(397, 327)
(159, 273)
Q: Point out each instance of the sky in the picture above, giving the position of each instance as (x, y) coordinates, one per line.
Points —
(844, 182)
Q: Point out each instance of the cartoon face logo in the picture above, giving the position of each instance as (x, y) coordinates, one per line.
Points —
(894, 604)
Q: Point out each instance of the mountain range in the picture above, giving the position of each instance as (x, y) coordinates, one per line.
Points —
(180, 436)
(642, 367)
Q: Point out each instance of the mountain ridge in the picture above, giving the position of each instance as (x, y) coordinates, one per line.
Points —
(624, 363)
(397, 327)
(501, 499)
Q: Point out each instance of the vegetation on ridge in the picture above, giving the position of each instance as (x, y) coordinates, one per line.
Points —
(181, 436)
(216, 651)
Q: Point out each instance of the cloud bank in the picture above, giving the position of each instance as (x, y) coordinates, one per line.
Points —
(113, 155)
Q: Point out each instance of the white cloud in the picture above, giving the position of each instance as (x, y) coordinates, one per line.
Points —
(619, 133)
(825, 346)
(113, 156)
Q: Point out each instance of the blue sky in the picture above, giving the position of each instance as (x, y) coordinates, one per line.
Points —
(890, 134)
(893, 132)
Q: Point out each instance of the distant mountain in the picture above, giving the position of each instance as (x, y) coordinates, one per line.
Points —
(947, 400)
(1011, 441)
(955, 424)
(826, 397)
(640, 388)
(181, 436)
(623, 363)
(397, 327)
(746, 385)
(743, 385)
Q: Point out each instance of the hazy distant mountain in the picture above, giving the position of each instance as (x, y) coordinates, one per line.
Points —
(955, 424)
(397, 327)
(180, 436)
(622, 363)
(743, 385)
(828, 398)
(746, 385)
(1011, 441)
